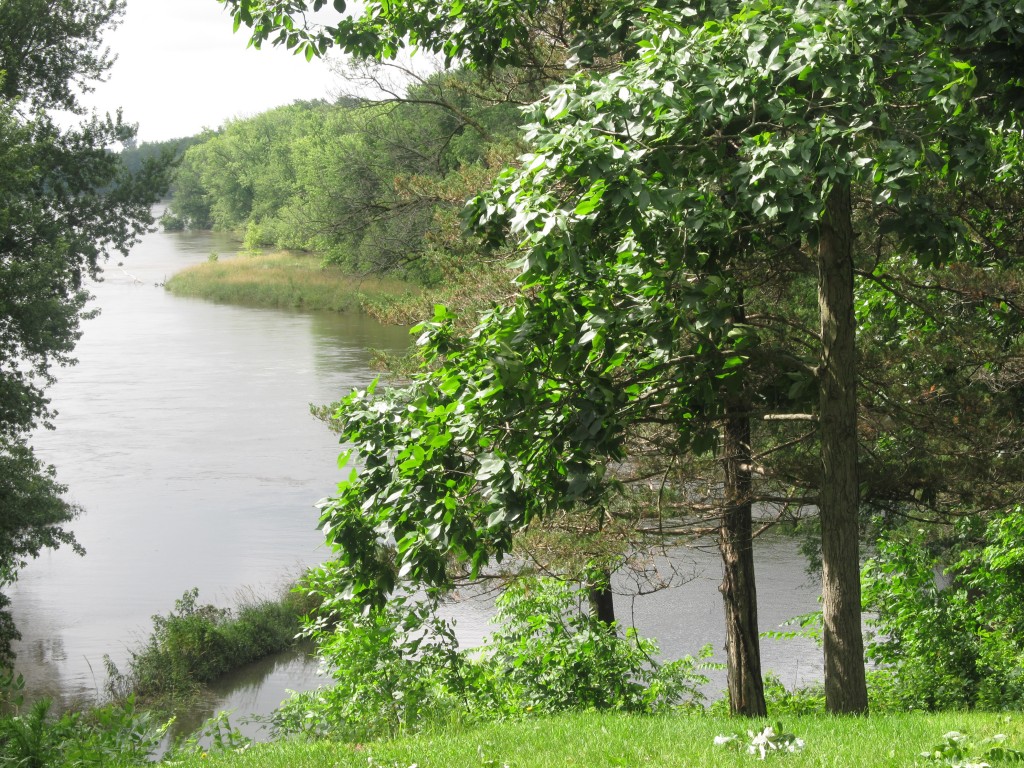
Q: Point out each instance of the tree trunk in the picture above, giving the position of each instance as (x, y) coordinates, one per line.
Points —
(599, 595)
(739, 590)
(838, 500)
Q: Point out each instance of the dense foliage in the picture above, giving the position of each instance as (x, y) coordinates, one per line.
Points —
(398, 668)
(707, 217)
(136, 156)
(374, 186)
(195, 644)
(950, 615)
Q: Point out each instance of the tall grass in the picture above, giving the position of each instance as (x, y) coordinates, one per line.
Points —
(604, 740)
(291, 281)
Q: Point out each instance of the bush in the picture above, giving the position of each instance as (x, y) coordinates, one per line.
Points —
(394, 669)
(172, 223)
(551, 655)
(960, 645)
(398, 668)
(195, 644)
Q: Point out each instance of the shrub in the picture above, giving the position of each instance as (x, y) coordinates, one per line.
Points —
(960, 645)
(551, 655)
(196, 644)
(394, 668)
(172, 223)
(399, 668)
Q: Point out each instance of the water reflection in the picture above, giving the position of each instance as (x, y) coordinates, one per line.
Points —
(257, 688)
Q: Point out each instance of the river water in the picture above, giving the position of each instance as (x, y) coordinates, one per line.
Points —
(184, 433)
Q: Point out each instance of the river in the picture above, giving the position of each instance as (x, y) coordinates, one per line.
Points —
(184, 434)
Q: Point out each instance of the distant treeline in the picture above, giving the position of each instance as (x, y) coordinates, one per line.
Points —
(134, 157)
(371, 185)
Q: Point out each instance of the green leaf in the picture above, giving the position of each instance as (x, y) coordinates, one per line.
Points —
(590, 201)
(490, 465)
(732, 362)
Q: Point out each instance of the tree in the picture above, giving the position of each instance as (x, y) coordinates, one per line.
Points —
(803, 96)
(765, 122)
(65, 203)
(524, 34)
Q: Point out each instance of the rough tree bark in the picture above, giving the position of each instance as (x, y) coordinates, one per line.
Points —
(736, 547)
(739, 591)
(838, 499)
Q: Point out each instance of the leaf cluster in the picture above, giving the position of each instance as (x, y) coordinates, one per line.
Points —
(949, 627)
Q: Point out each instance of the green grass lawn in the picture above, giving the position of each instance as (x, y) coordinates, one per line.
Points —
(598, 740)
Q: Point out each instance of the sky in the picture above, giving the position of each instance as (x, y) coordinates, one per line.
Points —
(181, 68)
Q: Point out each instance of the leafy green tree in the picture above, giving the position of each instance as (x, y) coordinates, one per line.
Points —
(66, 201)
(135, 156)
(388, 199)
(522, 51)
(372, 185)
(515, 34)
(649, 188)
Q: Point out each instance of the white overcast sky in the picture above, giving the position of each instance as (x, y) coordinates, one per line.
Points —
(181, 69)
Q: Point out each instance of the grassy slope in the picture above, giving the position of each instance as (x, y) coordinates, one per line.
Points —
(594, 740)
(284, 280)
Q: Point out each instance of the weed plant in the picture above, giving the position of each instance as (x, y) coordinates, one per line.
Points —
(33, 736)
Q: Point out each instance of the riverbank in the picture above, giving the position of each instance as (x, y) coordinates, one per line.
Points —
(197, 644)
(603, 740)
(284, 280)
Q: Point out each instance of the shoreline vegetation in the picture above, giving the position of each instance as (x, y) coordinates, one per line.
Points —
(197, 644)
(293, 280)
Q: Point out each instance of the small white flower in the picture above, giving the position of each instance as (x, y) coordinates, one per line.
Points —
(720, 740)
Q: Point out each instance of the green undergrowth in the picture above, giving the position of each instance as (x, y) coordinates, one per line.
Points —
(196, 644)
(604, 740)
(292, 281)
